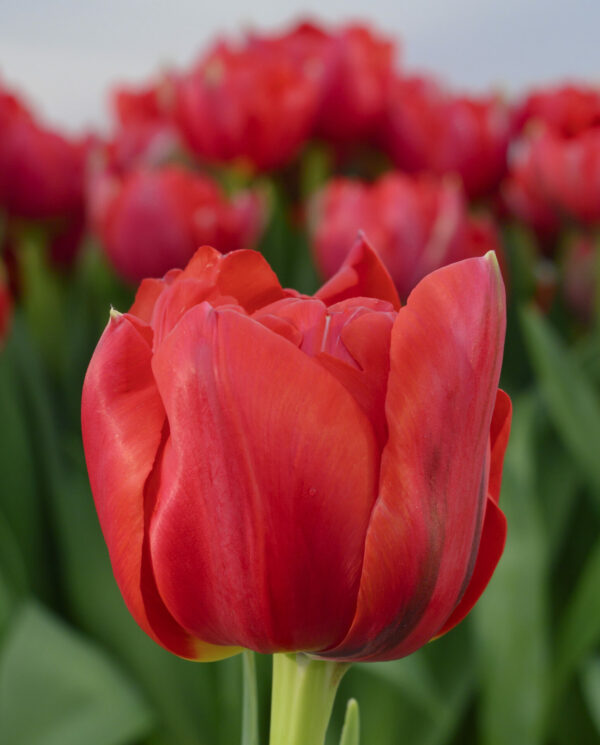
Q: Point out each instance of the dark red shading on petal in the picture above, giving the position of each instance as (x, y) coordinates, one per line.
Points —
(267, 486)
(122, 424)
(361, 275)
(493, 538)
(446, 352)
(493, 535)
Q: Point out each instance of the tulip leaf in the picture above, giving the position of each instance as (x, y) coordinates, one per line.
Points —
(19, 496)
(579, 630)
(559, 481)
(58, 689)
(572, 402)
(571, 723)
(511, 617)
(249, 700)
(351, 728)
(590, 686)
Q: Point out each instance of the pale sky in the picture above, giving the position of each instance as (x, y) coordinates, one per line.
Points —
(65, 54)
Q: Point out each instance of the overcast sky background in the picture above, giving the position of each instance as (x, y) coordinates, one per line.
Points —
(65, 54)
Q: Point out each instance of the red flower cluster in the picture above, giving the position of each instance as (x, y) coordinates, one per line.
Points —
(282, 472)
(416, 225)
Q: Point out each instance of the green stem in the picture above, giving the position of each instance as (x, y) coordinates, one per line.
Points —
(303, 694)
(250, 700)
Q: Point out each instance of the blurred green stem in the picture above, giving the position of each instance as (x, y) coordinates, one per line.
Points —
(303, 694)
(250, 700)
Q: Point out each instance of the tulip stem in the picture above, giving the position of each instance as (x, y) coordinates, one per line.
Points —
(304, 690)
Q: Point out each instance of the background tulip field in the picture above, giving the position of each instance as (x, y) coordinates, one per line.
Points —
(292, 142)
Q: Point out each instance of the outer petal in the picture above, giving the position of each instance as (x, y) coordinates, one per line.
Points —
(446, 352)
(361, 275)
(493, 536)
(122, 424)
(267, 487)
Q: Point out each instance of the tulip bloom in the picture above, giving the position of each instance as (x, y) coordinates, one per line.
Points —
(151, 221)
(145, 130)
(559, 175)
(353, 68)
(250, 104)
(416, 225)
(41, 172)
(283, 473)
(428, 129)
(568, 110)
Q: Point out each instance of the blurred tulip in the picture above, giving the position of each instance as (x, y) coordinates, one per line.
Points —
(250, 104)
(145, 133)
(524, 193)
(150, 221)
(428, 129)
(581, 276)
(416, 224)
(567, 110)
(555, 177)
(353, 67)
(41, 172)
(282, 472)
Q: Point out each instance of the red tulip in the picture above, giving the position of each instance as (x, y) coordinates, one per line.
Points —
(525, 195)
(428, 129)
(146, 132)
(580, 276)
(416, 224)
(560, 174)
(41, 172)
(152, 221)
(353, 68)
(568, 110)
(282, 472)
(250, 104)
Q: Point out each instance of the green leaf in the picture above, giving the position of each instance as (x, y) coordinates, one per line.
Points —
(579, 630)
(351, 728)
(58, 689)
(249, 700)
(20, 497)
(590, 686)
(559, 483)
(572, 402)
(511, 618)
(570, 722)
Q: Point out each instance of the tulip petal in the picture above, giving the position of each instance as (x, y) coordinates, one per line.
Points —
(361, 275)
(493, 536)
(122, 423)
(499, 432)
(446, 352)
(268, 482)
(247, 276)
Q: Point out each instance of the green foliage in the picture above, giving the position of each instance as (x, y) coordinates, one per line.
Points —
(57, 688)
